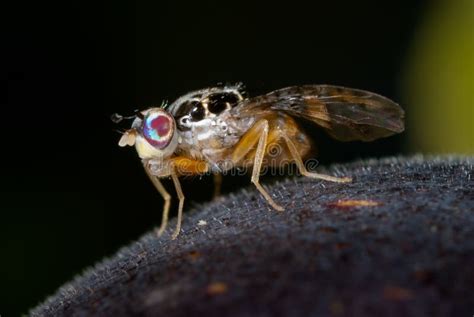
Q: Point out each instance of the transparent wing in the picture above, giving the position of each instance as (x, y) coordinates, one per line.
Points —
(346, 114)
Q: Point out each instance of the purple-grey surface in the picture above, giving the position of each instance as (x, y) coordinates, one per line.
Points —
(397, 241)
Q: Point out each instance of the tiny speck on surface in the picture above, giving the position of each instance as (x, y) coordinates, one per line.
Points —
(412, 254)
(217, 288)
(348, 203)
(396, 293)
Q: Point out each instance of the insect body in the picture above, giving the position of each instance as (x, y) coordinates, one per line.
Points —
(216, 129)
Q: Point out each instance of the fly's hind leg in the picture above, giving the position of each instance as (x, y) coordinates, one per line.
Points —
(302, 168)
(258, 133)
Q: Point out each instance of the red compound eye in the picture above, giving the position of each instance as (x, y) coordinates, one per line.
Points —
(158, 128)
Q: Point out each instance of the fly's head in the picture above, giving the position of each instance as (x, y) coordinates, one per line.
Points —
(194, 120)
(153, 134)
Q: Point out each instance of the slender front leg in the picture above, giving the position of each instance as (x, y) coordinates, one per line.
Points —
(161, 189)
(258, 133)
(299, 163)
(173, 167)
(179, 191)
(183, 166)
(164, 221)
(166, 196)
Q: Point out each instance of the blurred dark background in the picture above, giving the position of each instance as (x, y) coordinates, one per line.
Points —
(69, 195)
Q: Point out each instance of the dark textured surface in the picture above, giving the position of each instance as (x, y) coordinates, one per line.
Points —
(411, 255)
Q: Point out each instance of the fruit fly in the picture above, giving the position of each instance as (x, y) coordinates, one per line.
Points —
(215, 129)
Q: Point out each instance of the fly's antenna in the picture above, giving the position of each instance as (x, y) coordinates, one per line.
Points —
(117, 117)
(119, 131)
(139, 114)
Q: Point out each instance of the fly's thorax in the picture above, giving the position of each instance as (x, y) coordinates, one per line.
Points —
(223, 129)
(203, 119)
(203, 105)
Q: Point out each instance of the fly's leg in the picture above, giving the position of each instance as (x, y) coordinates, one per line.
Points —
(258, 133)
(259, 154)
(174, 167)
(179, 191)
(183, 166)
(166, 196)
(299, 162)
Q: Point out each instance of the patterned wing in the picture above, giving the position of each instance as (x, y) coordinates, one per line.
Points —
(346, 114)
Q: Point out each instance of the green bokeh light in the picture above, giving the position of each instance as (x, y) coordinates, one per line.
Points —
(439, 80)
